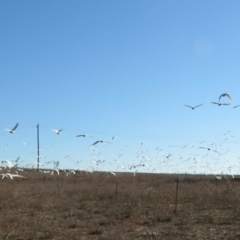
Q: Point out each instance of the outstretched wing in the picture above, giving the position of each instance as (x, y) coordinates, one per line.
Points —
(236, 106)
(188, 106)
(225, 95)
(95, 143)
(15, 127)
(225, 103)
(56, 130)
(198, 105)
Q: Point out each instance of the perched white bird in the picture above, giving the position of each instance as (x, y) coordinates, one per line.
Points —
(13, 129)
(193, 107)
(225, 95)
(57, 131)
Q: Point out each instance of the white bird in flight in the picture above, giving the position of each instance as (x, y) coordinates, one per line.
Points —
(193, 107)
(12, 176)
(225, 95)
(10, 163)
(57, 131)
(220, 104)
(13, 129)
(209, 149)
(83, 135)
(98, 141)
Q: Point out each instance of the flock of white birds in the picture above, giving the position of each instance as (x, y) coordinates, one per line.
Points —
(160, 161)
(219, 103)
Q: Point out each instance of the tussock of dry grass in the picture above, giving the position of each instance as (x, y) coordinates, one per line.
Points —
(88, 206)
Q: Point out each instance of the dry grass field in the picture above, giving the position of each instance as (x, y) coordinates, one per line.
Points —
(102, 206)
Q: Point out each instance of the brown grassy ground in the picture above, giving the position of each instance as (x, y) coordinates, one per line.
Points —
(91, 206)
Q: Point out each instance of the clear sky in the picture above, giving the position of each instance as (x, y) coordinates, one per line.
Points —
(124, 69)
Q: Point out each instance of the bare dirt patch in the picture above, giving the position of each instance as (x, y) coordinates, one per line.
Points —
(102, 206)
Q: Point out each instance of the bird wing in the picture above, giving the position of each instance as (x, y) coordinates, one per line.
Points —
(229, 96)
(15, 127)
(56, 130)
(225, 103)
(18, 176)
(225, 95)
(236, 106)
(10, 175)
(95, 143)
(199, 105)
(10, 164)
(214, 102)
(188, 106)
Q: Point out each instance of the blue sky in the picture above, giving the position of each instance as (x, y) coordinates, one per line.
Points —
(123, 69)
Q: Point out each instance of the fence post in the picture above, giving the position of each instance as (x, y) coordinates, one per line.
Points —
(176, 199)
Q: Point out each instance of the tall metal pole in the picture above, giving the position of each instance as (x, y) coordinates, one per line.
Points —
(38, 147)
